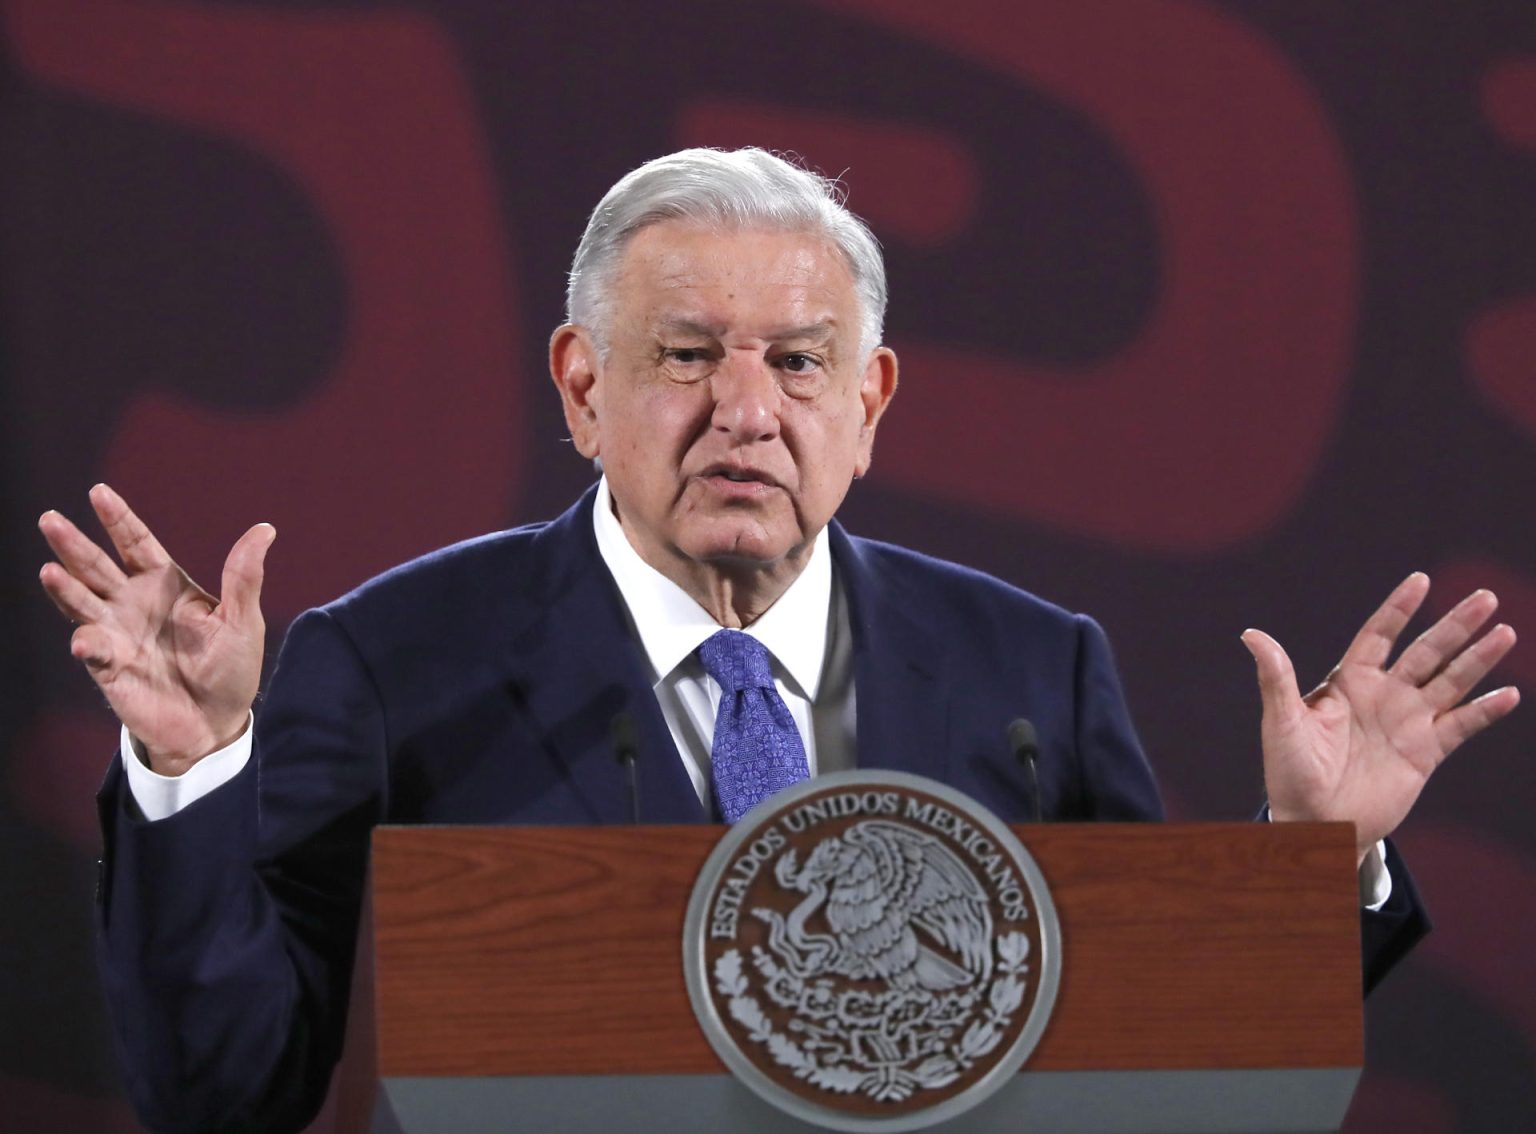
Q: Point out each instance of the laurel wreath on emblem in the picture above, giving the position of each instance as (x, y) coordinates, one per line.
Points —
(876, 885)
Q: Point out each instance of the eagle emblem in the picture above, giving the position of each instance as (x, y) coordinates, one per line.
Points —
(869, 947)
(899, 905)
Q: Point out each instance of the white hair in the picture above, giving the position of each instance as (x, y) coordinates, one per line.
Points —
(730, 190)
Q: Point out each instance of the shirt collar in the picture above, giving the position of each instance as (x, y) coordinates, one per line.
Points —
(672, 625)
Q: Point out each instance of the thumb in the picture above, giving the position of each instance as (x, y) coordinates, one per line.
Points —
(244, 570)
(1277, 677)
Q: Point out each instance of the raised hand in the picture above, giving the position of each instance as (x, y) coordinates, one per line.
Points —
(1361, 746)
(179, 666)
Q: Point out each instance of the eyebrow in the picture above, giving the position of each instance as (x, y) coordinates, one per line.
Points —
(810, 331)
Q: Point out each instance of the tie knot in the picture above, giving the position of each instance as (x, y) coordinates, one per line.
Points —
(737, 661)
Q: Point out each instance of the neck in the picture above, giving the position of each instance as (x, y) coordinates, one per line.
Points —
(735, 593)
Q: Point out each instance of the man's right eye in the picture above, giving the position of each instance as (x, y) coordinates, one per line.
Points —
(686, 356)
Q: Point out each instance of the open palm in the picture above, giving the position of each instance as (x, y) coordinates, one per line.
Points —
(179, 666)
(1361, 746)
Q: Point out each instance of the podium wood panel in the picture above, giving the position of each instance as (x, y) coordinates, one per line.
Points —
(542, 951)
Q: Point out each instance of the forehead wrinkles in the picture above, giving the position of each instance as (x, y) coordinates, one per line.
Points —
(750, 283)
(767, 312)
(739, 294)
(798, 265)
(667, 262)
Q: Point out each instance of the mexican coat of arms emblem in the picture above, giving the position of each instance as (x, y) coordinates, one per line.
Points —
(872, 951)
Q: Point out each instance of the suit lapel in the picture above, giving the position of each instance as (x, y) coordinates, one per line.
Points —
(899, 669)
(577, 665)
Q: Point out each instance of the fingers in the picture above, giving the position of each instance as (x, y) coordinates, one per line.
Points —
(1464, 722)
(1469, 667)
(1432, 649)
(80, 556)
(135, 543)
(93, 646)
(75, 600)
(244, 569)
(1373, 645)
(1277, 677)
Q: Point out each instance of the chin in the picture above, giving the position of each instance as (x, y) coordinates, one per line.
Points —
(739, 547)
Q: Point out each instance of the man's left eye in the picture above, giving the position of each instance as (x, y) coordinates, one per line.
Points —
(798, 363)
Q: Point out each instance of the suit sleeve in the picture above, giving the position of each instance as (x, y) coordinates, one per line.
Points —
(1387, 934)
(226, 931)
(1117, 783)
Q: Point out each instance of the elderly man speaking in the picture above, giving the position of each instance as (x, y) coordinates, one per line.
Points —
(723, 364)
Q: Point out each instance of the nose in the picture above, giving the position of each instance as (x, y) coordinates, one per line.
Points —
(746, 393)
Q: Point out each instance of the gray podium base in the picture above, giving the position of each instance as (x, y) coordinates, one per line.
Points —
(1043, 1102)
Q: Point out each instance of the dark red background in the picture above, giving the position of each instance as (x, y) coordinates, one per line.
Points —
(1211, 315)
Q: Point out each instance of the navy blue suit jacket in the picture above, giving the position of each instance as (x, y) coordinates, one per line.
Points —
(478, 685)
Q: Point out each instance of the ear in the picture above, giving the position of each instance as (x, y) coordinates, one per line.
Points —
(575, 365)
(875, 393)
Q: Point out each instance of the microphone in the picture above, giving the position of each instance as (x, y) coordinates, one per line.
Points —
(626, 749)
(1026, 750)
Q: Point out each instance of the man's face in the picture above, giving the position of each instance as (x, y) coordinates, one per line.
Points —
(734, 406)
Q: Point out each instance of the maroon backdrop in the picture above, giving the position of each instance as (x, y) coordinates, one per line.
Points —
(1211, 315)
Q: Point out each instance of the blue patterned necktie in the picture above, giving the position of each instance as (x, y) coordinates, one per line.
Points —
(757, 748)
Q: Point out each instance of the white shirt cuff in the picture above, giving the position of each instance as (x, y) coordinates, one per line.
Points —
(160, 797)
(1375, 879)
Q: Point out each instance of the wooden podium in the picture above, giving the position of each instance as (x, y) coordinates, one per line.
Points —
(531, 979)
